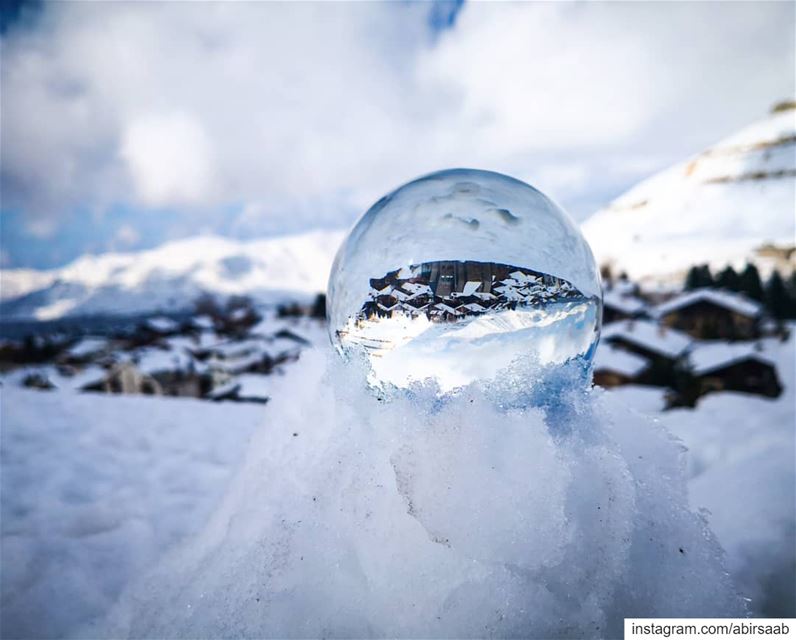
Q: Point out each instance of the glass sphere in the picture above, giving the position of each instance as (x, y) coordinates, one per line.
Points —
(456, 275)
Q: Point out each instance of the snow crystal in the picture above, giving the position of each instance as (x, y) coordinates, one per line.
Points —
(439, 517)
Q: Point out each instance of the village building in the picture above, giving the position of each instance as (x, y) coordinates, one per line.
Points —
(618, 306)
(38, 380)
(125, 377)
(162, 326)
(712, 314)
(614, 367)
(202, 322)
(725, 366)
(87, 349)
(662, 347)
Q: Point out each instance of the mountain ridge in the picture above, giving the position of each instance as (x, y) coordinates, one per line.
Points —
(729, 204)
(171, 276)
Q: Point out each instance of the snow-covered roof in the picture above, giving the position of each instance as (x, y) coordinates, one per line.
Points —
(253, 385)
(628, 304)
(162, 324)
(203, 322)
(239, 314)
(717, 355)
(727, 299)
(612, 359)
(648, 335)
(475, 307)
(221, 391)
(153, 360)
(282, 346)
(267, 325)
(470, 287)
(444, 307)
(237, 348)
(416, 288)
(87, 347)
(242, 363)
(484, 296)
(623, 287)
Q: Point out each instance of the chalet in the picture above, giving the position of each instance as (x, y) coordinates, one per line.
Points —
(712, 314)
(664, 348)
(162, 326)
(37, 380)
(725, 366)
(85, 350)
(618, 306)
(126, 378)
(202, 322)
(614, 367)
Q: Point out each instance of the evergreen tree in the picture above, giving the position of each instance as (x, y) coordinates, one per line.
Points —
(778, 299)
(698, 276)
(692, 279)
(707, 276)
(728, 279)
(749, 282)
(606, 275)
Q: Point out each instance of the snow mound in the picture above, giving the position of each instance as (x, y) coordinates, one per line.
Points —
(355, 516)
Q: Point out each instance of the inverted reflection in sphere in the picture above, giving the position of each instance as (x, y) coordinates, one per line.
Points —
(456, 275)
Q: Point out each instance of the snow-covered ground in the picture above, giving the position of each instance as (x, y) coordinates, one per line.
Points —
(95, 488)
(344, 515)
(741, 465)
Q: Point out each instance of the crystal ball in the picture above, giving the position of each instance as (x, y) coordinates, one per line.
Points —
(456, 275)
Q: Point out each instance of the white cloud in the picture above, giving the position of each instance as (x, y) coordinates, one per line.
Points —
(169, 158)
(127, 236)
(303, 113)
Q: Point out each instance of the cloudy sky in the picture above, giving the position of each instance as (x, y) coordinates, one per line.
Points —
(125, 125)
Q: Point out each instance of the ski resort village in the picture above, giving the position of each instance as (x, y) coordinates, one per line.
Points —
(688, 344)
(184, 454)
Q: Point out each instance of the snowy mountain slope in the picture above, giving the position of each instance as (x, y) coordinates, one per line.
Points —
(722, 206)
(171, 276)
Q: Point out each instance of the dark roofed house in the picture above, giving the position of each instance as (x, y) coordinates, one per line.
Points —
(662, 347)
(723, 366)
(614, 367)
(711, 314)
(619, 306)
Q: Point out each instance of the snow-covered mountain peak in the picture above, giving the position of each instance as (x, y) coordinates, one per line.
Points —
(171, 276)
(731, 203)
